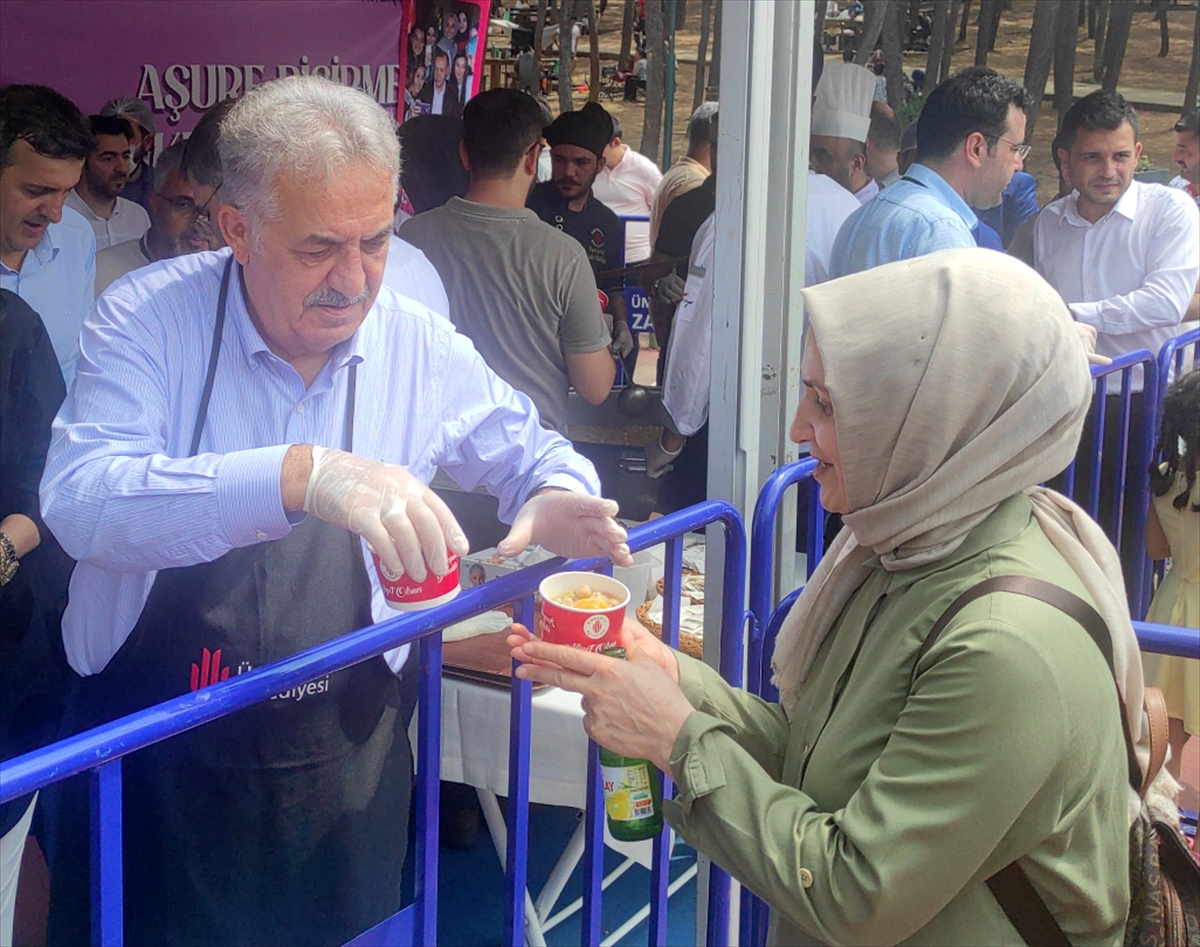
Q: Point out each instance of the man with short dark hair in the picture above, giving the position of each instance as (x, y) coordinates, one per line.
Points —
(1187, 154)
(140, 119)
(97, 196)
(440, 95)
(883, 145)
(201, 163)
(1123, 255)
(577, 142)
(174, 225)
(689, 171)
(970, 142)
(521, 291)
(47, 251)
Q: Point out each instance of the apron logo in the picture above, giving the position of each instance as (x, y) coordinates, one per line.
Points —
(209, 671)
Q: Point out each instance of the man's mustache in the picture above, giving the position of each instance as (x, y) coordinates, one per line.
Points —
(331, 297)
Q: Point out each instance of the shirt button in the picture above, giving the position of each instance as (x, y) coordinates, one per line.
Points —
(805, 878)
(299, 409)
(261, 536)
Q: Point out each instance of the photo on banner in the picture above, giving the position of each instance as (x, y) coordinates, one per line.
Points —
(442, 44)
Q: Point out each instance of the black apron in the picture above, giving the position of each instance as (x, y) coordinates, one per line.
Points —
(284, 823)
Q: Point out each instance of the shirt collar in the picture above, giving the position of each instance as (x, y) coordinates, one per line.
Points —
(256, 350)
(923, 174)
(1002, 525)
(1126, 206)
(43, 254)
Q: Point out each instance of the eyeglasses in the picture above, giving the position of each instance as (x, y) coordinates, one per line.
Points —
(1020, 150)
(186, 207)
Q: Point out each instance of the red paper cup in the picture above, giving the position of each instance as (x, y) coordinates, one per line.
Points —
(603, 299)
(406, 595)
(587, 628)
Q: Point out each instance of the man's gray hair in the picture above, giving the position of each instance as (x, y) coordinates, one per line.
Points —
(168, 163)
(307, 126)
(702, 126)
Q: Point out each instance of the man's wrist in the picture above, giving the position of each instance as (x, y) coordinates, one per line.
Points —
(294, 476)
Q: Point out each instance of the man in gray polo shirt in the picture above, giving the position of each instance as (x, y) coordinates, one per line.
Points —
(522, 291)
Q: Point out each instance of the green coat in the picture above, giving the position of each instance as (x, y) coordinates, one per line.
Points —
(879, 822)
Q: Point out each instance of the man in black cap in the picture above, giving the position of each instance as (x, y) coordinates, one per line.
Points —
(577, 141)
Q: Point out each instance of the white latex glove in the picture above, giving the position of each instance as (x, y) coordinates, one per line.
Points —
(404, 522)
(659, 459)
(622, 340)
(1087, 335)
(569, 524)
(670, 288)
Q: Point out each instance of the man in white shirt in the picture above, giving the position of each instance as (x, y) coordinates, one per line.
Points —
(1187, 154)
(1123, 255)
(626, 185)
(97, 196)
(841, 120)
(175, 226)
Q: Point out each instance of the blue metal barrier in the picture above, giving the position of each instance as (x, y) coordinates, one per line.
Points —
(100, 751)
(1173, 356)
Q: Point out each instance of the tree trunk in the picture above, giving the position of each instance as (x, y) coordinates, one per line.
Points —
(895, 27)
(1119, 21)
(962, 23)
(593, 52)
(714, 69)
(1101, 34)
(989, 21)
(1160, 14)
(566, 98)
(706, 11)
(1066, 39)
(1193, 83)
(1041, 53)
(874, 12)
(655, 79)
(627, 13)
(937, 40)
(680, 14)
(539, 27)
(948, 48)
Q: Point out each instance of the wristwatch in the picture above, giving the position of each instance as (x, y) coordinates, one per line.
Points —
(8, 560)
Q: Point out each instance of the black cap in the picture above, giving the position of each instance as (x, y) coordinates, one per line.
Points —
(590, 128)
(1189, 123)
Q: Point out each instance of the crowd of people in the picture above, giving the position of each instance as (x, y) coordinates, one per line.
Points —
(237, 364)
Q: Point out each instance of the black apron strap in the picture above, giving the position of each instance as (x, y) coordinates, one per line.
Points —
(213, 358)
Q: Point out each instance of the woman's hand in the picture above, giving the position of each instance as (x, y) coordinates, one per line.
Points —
(632, 707)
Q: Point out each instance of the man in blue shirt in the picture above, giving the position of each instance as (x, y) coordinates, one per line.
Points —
(47, 252)
(969, 143)
(249, 431)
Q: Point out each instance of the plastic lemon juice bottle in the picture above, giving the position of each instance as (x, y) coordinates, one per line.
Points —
(632, 791)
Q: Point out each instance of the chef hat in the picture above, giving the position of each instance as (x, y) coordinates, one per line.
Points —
(590, 128)
(843, 105)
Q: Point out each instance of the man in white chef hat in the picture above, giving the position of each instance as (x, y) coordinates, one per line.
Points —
(841, 118)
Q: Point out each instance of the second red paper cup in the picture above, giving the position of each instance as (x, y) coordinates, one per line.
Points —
(406, 595)
(592, 629)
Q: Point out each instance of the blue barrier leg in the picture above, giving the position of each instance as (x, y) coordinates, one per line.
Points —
(108, 883)
(429, 754)
(517, 844)
(593, 859)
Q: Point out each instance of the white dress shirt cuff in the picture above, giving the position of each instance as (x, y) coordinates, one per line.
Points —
(249, 498)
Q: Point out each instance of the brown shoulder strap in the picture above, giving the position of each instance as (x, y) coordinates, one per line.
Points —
(1156, 713)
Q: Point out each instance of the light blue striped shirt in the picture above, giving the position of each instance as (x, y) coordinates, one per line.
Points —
(58, 280)
(919, 214)
(123, 497)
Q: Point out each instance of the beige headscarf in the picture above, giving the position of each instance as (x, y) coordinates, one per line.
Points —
(957, 381)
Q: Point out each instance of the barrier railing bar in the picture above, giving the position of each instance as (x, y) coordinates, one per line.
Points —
(429, 761)
(660, 870)
(517, 842)
(108, 890)
(1168, 639)
(1099, 410)
(593, 861)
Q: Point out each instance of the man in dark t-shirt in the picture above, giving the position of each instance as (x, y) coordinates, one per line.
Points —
(577, 141)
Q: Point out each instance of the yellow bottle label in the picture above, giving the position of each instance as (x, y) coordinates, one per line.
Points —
(627, 795)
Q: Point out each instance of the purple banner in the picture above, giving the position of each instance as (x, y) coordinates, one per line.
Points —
(183, 56)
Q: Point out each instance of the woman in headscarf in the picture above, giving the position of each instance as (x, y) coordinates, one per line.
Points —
(873, 803)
